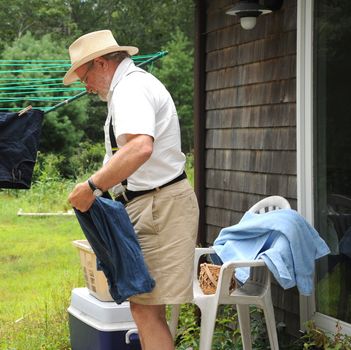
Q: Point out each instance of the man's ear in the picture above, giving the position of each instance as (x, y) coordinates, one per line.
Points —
(101, 62)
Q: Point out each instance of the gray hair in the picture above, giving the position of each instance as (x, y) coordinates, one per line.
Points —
(117, 56)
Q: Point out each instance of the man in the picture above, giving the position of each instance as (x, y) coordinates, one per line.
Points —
(142, 122)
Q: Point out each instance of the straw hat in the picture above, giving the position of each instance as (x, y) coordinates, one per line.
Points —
(90, 46)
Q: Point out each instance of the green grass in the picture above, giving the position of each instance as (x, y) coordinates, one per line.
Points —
(39, 268)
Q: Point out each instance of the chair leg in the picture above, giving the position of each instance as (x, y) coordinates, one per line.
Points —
(173, 322)
(270, 324)
(244, 323)
(208, 321)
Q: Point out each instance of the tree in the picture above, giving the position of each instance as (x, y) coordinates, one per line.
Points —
(149, 25)
(36, 16)
(176, 72)
(146, 24)
(62, 129)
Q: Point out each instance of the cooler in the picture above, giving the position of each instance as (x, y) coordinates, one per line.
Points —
(98, 325)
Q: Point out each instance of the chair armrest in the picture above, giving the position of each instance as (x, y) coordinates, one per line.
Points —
(227, 271)
(243, 263)
(202, 251)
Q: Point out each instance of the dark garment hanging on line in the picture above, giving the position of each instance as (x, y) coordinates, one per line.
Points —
(111, 235)
(19, 142)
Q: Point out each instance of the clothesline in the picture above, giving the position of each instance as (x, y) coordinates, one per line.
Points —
(28, 82)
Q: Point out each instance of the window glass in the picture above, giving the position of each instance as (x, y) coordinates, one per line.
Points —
(332, 153)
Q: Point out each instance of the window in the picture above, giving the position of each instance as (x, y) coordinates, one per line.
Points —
(332, 154)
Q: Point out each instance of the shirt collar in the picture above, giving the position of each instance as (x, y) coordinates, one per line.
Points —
(122, 69)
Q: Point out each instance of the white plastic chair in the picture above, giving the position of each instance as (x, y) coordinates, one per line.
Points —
(255, 291)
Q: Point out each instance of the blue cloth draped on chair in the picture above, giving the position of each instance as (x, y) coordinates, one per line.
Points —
(286, 242)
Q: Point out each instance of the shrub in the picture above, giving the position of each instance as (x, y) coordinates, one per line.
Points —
(47, 168)
(87, 158)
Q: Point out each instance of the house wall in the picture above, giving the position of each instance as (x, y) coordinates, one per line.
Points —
(250, 122)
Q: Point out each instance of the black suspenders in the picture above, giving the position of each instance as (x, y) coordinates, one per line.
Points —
(113, 142)
(114, 146)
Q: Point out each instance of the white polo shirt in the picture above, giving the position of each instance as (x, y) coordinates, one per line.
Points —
(139, 103)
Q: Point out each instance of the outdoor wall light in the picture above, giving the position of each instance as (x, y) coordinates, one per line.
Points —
(249, 10)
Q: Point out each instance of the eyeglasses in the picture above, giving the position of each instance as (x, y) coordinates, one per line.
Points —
(84, 77)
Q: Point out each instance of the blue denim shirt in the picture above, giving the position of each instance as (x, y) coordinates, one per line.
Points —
(19, 142)
(287, 243)
(111, 235)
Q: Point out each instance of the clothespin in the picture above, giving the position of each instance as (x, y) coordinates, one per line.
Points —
(24, 110)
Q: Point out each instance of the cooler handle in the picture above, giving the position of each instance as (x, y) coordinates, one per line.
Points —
(129, 333)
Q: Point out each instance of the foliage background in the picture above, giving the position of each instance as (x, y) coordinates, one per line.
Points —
(39, 265)
(54, 24)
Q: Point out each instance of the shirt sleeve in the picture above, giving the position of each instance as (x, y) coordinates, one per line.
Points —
(133, 108)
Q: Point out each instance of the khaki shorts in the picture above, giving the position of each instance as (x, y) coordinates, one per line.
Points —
(166, 223)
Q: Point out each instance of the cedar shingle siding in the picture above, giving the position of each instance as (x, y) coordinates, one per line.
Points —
(250, 122)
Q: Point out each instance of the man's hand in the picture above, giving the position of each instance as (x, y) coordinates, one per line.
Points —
(81, 197)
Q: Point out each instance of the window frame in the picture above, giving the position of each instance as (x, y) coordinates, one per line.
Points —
(304, 149)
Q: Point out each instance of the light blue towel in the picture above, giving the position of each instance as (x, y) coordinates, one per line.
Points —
(287, 243)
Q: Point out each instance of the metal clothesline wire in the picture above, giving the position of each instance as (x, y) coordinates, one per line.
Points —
(141, 64)
(31, 84)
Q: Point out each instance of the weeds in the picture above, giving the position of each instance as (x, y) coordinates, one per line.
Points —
(317, 339)
(44, 326)
(226, 335)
